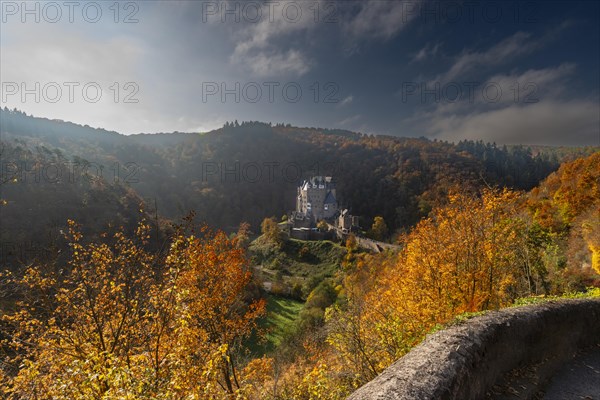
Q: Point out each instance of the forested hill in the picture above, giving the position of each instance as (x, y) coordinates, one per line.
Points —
(241, 172)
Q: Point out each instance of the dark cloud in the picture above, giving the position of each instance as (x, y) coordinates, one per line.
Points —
(356, 53)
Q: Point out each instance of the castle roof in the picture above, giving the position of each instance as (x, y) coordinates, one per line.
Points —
(330, 199)
(317, 182)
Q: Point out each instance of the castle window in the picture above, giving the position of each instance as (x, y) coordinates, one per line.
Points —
(326, 207)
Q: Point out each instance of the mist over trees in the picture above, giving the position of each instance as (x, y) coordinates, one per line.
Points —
(242, 172)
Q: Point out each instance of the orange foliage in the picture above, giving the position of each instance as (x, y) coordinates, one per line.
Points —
(463, 258)
(568, 203)
(124, 323)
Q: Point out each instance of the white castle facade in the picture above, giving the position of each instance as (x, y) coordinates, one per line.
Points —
(317, 199)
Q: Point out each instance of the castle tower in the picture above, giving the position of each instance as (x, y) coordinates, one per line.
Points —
(317, 198)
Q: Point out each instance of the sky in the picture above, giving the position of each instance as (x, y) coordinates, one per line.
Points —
(500, 71)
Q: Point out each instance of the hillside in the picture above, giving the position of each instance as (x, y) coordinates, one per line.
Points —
(40, 190)
(295, 315)
(244, 172)
(566, 206)
(296, 268)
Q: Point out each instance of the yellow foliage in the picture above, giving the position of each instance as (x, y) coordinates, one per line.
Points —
(464, 258)
(123, 323)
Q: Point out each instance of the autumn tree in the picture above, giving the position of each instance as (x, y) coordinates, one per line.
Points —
(351, 248)
(322, 226)
(591, 231)
(242, 237)
(379, 229)
(566, 207)
(81, 324)
(212, 275)
(121, 322)
(465, 257)
(271, 232)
